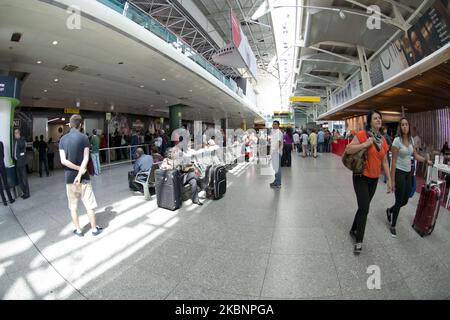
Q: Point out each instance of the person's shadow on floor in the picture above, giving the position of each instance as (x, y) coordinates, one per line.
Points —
(102, 218)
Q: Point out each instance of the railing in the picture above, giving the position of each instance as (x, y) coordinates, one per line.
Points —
(135, 14)
(114, 155)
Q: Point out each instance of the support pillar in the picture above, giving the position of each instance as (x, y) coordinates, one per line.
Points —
(175, 116)
(365, 75)
(9, 99)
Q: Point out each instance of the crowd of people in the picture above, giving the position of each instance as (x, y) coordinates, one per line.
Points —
(75, 148)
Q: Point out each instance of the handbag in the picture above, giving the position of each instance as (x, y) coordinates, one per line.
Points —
(356, 162)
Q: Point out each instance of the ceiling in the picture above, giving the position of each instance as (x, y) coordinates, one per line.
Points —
(259, 33)
(330, 39)
(115, 72)
(424, 92)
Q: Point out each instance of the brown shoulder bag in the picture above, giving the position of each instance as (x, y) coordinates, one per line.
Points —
(355, 162)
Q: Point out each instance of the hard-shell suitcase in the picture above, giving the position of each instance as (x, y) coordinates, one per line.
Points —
(168, 189)
(428, 207)
(217, 182)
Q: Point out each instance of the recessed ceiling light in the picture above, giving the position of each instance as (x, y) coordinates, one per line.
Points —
(55, 43)
(141, 86)
(39, 62)
(409, 90)
(163, 79)
(45, 90)
(56, 80)
(190, 90)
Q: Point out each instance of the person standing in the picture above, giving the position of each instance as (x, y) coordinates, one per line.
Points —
(365, 184)
(297, 141)
(4, 186)
(288, 147)
(103, 145)
(35, 154)
(51, 154)
(417, 140)
(304, 139)
(20, 151)
(74, 153)
(321, 140)
(402, 150)
(43, 158)
(313, 142)
(95, 147)
(276, 148)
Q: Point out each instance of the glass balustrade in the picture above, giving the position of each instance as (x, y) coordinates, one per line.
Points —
(135, 14)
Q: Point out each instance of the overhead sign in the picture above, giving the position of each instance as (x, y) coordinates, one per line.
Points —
(72, 110)
(9, 87)
(108, 116)
(237, 54)
(304, 99)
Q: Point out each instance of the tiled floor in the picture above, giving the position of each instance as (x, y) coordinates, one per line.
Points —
(255, 243)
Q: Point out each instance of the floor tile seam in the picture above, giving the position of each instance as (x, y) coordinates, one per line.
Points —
(277, 211)
(44, 257)
(206, 288)
(337, 274)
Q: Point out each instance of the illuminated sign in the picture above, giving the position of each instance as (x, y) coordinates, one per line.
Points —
(72, 110)
(304, 99)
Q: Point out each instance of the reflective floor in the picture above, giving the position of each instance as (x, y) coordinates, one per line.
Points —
(255, 243)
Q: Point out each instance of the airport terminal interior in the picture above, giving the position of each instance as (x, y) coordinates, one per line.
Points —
(225, 150)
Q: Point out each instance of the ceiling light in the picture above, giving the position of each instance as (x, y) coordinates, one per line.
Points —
(163, 79)
(56, 80)
(63, 119)
(39, 62)
(55, 43)
(409, 90)
(151, 105)
(190, 90)
(342, 15)
(53, 120)
(141, 86)
(45, 90)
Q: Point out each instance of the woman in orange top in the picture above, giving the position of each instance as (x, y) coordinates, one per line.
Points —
(365, 185)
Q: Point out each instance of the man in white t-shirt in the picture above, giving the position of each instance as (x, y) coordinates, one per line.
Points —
(276, 148)
(417, 140)
(297, 141)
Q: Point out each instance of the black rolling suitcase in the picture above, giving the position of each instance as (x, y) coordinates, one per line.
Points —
(217, 181)
(168, 189)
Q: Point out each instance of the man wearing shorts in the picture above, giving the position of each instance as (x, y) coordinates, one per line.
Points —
(74, 153)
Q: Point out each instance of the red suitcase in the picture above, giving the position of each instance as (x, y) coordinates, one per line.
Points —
(428, 208)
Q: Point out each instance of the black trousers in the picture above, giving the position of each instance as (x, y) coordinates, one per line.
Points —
(43, 161)
(286, 158)
(365, 189)
(191, 178)
(22, 176)
(51, 162)
(4, 184)
(403, 183)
